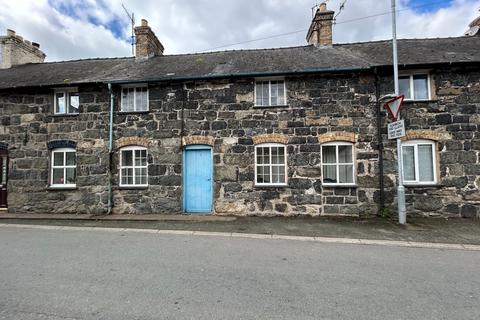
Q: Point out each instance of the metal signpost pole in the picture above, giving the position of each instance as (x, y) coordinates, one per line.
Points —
(402, 214)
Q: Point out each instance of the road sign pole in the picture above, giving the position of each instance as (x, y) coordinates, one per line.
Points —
(402, 212)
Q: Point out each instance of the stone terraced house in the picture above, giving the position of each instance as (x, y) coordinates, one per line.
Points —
(287, 131)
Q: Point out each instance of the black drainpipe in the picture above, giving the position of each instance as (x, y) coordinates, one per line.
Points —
(379, 143)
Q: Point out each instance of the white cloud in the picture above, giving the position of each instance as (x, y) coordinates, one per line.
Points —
(191, 26)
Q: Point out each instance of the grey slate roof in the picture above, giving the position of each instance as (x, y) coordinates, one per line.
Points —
(304, 59)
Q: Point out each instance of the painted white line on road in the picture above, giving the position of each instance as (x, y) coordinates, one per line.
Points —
(296, 238)
(436, 245)
(251, 235)
(212, 233)
(471, 247)
(176, 232)
(337, 240)
(391, 243)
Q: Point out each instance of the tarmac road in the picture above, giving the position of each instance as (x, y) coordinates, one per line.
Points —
(71, 274)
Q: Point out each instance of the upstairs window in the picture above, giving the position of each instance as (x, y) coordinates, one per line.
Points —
(270, 165)
(133, 167)
(419, 162)
(64, 168)
(134, 99)
(415, 86)
(337, 163)
(66, 101)
(270, 93)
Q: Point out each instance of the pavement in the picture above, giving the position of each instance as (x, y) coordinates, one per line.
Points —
(67, 273)
(417, 230)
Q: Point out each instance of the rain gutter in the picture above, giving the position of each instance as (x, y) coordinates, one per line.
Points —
(242, 75)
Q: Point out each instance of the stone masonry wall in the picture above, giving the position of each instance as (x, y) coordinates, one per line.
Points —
(452, 119)
(320, 108)
(27, 124)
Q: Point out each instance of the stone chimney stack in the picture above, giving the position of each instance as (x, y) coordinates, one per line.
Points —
(14, 50)
(320, 32)
(147, 44)
(474, 28)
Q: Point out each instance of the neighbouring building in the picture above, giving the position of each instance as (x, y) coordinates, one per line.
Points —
(287, 131)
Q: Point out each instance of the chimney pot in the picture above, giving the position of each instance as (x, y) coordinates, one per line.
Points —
(36, 45)
(144, 23)
(323, 7)
(10, 33)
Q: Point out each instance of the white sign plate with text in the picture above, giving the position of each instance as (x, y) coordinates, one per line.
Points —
(396, 129)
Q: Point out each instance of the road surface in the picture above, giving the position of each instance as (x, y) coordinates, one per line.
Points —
(71, 274)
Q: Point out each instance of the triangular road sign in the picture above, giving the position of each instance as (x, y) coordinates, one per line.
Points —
(394, 106)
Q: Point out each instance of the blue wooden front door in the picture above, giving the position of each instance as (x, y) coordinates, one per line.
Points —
(197, 179)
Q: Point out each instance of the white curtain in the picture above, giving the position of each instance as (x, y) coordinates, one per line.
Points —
(425, 162)
(420, 85)
(408, 163)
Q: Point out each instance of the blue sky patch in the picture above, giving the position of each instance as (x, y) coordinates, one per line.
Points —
(424, 6)
(83, 11)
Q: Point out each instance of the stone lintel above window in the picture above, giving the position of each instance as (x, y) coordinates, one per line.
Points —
(189, 140)
(337, 136)
(132, 141)
(425, 135)
(56, 144)
(270, 138)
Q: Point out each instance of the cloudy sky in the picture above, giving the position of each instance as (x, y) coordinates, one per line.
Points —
(75, 29)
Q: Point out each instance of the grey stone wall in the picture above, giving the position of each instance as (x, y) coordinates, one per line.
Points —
(28, 124)
(451, 117)
(224, 110)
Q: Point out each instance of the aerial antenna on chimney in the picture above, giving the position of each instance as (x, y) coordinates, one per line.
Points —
(313, 10)
(132, 21)
(340, 9)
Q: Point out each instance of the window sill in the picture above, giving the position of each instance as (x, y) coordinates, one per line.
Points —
(419, 185)
(134, 112)
(271, 107)
(270, 186)
(132, 187)
(65, 115)
(420, 101)
(329, 185)
(59, 188)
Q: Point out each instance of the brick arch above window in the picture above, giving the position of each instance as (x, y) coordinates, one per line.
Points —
(337, 136)
(270, 138)
(3, 146)
(189, 140)
(55, 144)
(425, 135)
(132, 141)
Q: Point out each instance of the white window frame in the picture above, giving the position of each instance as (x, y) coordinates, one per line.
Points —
(133, 166)
(412, 86)
(64, 167)
(270, 92)
(337, 164)
(270, 145)
(66, 92)
(415, 144)
(135, 87)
